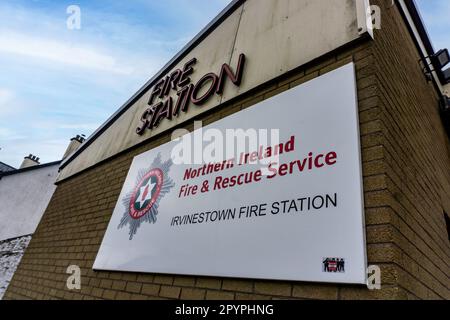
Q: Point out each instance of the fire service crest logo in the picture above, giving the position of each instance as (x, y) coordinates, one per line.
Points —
(141, 204)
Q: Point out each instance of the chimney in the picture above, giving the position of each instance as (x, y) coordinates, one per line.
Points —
(29, 161)
(75, 142)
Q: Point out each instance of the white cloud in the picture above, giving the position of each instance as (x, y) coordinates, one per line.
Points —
(5, 96)
(47, 150)
(9, 104)
(79, 126)
(9, 135)
(60, 52)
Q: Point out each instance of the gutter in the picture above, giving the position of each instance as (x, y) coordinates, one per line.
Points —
(416, 27)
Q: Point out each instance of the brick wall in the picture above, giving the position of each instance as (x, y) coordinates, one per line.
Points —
(406, 171)
(415, 181)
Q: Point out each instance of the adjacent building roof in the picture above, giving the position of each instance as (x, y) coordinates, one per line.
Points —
(5, 167)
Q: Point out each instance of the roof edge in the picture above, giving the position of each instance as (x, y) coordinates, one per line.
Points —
(416, 27)
(16, 171)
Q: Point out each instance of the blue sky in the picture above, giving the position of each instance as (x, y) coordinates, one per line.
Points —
(56, 83)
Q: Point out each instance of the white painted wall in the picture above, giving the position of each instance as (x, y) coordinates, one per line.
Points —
(23, 200)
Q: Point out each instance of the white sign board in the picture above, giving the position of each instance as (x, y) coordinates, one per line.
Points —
(294, 216)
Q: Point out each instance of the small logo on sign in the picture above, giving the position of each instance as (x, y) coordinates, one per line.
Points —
(141, 204)
(333, 265)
